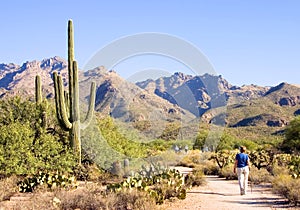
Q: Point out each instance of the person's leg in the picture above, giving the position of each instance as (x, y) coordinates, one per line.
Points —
(241, 179)
(246, 172)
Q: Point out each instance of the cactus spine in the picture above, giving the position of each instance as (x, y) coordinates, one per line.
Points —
(69, 102)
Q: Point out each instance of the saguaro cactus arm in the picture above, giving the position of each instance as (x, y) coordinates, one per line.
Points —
(62, 105)
(91, 107)
(60, 102)
(56, 96)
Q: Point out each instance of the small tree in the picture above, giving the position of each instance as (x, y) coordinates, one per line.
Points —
(200, 140)
(291, 143)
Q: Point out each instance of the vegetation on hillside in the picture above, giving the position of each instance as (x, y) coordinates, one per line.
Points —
(33, 146)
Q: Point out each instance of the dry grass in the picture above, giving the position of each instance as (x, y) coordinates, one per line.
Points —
(227, 172)
(200, 161)
(8, 187)
(130, 200)
(288, 187)
(259, 176)
(91, 196)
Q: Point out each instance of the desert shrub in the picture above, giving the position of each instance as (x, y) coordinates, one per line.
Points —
(94, 197)
(200, 161)
(259, 176)
(133, 199)
(88, 172)
(200, 140)
(22, 153)
(279, 170)
(288, 187)
(118, 141)
(261, 158)
(84, 198)
(291, 142)
(223, 157)
(196, 178)
(192, 159)
(38, 200)
(294, 166)
(171, 131)
(226, 142)
(169, 183)
(210, 168)
(249, 144)
(8, 186)
(30, 143)
(227, 172)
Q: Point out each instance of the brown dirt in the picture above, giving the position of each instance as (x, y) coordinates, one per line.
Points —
(222, 194)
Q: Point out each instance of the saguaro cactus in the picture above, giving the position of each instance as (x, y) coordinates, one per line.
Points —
(38, 89)
(71, 121)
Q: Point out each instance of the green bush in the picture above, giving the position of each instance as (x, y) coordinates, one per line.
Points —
(23, 154)
(200, 139)
(294, 166)
(291, 142)
(119, 142)
(30, 141)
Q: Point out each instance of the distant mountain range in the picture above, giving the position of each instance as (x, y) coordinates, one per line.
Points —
(179, 97)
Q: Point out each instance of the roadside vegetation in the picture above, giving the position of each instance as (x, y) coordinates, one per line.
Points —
(36, 158)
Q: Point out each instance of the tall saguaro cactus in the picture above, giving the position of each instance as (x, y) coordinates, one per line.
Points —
(38, 89)
(70, 102)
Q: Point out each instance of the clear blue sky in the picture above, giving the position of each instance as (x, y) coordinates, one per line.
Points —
(247, 41)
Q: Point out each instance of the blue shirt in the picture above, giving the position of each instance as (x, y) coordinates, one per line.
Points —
(242, 159)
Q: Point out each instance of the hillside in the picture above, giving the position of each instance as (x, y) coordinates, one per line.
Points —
(114, 95)
(155, 103)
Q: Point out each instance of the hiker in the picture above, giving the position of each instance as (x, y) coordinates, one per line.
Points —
(186, 148)
(242, 164)
(176, 149)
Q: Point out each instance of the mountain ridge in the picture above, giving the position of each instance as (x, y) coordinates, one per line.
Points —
(176, 97)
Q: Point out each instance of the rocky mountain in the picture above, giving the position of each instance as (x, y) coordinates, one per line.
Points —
(114, 95)
(178, 97)
(201, 93)
(284, 94)
(219, 102)
(19, 80)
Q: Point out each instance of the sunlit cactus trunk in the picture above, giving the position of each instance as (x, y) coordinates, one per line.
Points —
(38, 89)
(69, 102)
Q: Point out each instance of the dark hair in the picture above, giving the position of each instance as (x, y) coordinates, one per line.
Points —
(242, 149)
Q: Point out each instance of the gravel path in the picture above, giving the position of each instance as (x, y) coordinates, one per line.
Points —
(221, 194)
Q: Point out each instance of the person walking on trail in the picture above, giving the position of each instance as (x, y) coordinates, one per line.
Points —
(242, 164)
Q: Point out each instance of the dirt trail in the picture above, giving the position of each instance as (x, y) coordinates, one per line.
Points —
(221, 194)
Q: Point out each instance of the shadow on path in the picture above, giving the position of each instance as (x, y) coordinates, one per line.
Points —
(264, 202)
